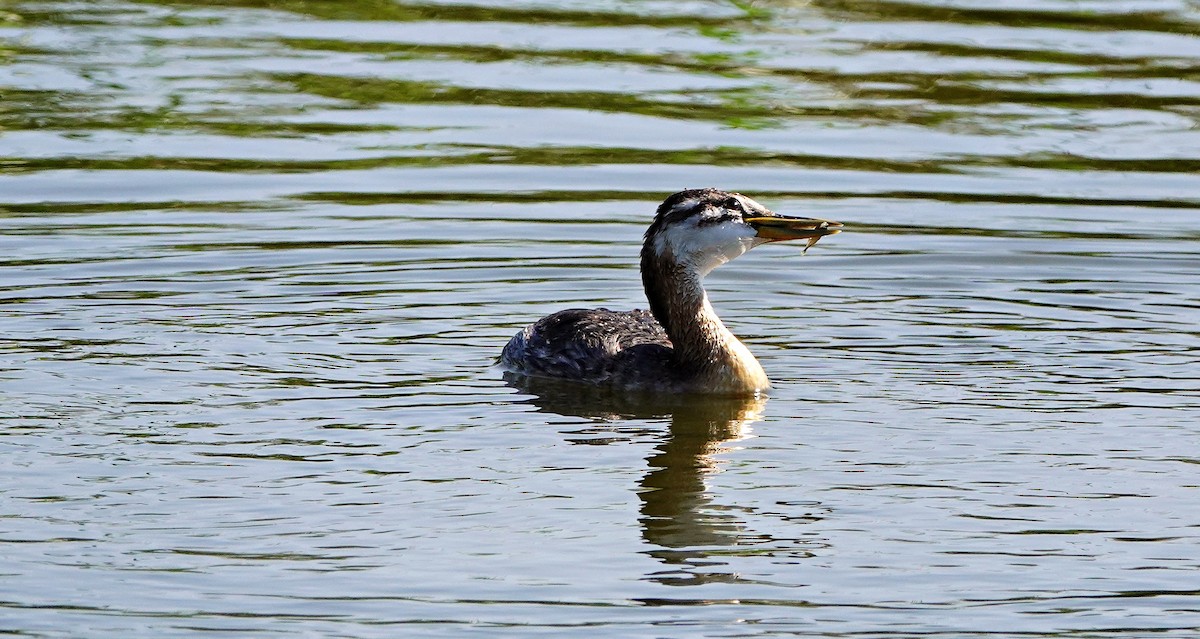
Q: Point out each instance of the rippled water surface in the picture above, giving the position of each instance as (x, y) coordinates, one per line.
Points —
(258, 258)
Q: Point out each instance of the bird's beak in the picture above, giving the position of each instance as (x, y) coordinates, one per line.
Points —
(776, 228)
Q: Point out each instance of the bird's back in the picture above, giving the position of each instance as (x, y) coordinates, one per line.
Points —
(591, 345)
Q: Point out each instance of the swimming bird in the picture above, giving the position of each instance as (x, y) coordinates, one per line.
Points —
(679, 345)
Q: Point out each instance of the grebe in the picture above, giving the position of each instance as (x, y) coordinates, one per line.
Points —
(680, 345)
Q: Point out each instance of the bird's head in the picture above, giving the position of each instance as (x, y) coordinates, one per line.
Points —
(701, 229)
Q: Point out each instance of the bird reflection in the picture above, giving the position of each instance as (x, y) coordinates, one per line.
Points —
(677, 514)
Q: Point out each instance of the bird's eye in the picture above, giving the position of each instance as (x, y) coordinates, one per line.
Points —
(733, 204)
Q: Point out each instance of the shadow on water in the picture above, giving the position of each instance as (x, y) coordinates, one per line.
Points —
(1133, 17)
(678, 517)
(732, 77)
(387, 10)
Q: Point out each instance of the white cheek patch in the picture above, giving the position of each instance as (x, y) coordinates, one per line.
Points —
(705, 248)
(685, 205)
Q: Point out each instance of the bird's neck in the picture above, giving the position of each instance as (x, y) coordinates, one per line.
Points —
(704, 349)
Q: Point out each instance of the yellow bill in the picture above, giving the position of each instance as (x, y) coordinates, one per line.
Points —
(778, 228)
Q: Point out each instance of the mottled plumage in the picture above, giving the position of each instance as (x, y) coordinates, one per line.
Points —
(680, 345)
(594, 344)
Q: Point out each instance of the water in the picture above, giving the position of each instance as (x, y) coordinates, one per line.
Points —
(258, 259)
